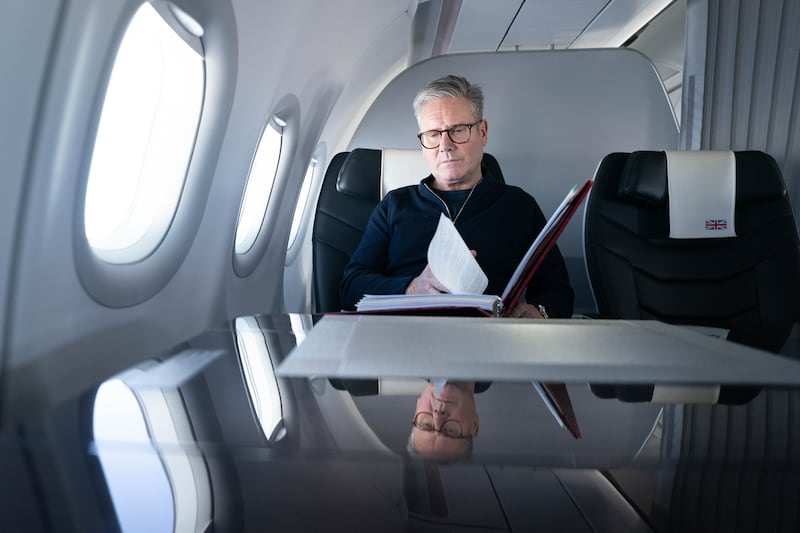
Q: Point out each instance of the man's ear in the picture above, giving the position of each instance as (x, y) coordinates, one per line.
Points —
(475, 427)
(484, 129)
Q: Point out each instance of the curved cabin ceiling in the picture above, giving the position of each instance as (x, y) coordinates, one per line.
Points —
(505, 25)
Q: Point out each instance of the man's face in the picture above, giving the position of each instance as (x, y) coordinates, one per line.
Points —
(454, 406)
(454, 166)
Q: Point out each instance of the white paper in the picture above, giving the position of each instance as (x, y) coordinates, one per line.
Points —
(452, 263)
(439, 384)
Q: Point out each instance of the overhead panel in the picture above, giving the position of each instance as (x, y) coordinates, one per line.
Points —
(551, 24)
(481, 25)
(618, 22)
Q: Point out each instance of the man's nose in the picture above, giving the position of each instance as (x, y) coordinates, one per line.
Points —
(445, 143)
(440, 417)
(440, 409)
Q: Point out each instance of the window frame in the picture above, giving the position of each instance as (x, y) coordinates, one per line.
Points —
(294, 245)
(128, 284)
(159, 224)
(288, 111)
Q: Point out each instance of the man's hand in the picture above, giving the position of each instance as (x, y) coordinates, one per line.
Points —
(425, 283)
(523, 310)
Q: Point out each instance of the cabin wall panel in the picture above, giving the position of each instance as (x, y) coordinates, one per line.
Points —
(328, 68)
(751, 70)
(53, 319)
(26, 38)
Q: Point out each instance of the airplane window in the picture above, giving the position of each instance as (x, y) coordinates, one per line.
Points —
(259, 185)
(259, 374)
(302, 200)
(145, 139)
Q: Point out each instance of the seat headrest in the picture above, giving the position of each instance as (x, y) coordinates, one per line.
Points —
(765, 180)
(401, 167)
(369, 174)
(698, 188)
(702, 194)
(359, 175)
(644, 178)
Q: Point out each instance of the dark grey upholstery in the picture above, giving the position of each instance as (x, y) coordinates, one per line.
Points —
(637, 272)
(350, 191)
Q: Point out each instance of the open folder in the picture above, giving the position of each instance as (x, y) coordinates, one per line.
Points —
(464, 303)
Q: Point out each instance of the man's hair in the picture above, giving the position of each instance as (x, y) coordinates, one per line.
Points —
(451, 87)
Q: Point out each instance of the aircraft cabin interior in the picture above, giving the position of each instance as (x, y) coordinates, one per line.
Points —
(191, 187)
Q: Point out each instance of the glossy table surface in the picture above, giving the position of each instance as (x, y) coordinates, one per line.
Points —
(206, 437)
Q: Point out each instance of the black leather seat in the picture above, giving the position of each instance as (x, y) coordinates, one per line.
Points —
(350, 191)
(637, 271)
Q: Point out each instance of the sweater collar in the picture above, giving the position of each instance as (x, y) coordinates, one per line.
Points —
(486, 191)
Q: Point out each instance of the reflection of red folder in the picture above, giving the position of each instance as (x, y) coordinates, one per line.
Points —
(556, 398)
(485, 304)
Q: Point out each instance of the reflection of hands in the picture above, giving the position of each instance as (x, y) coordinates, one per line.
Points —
(425, 283)
(523, 310)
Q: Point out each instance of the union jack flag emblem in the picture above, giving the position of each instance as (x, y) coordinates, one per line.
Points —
(716, 224)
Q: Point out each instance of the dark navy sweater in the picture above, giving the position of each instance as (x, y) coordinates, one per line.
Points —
(498, 221)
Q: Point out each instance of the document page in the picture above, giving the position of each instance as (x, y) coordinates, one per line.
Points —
(452, 263)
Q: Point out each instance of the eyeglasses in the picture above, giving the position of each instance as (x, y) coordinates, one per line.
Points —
(459, 134)
(450, 428)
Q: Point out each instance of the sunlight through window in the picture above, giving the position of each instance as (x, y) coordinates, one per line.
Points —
(259, 186)
(302, 200)
(144, 141)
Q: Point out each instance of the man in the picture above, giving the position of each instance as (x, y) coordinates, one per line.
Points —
(445, 421)
(498, 222)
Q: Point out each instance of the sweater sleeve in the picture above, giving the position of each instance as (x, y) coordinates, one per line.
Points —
(550, 286)
(365, 273)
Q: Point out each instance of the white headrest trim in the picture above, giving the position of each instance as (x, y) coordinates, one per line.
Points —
(401, 167)
(685, 394)
(702, 194)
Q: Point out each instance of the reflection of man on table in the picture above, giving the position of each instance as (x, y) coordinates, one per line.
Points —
(497, 221)
(445, 421)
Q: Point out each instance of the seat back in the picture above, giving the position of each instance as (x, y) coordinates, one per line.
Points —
(353, 185)
(350, 190)
(637, 271)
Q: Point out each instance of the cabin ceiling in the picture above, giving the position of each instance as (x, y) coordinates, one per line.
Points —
(502, 25)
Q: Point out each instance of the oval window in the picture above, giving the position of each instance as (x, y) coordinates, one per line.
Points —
(145, 139)
(259, 185)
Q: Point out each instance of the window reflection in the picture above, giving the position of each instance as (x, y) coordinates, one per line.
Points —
(157, 479)
(259, 374)
(301, 325)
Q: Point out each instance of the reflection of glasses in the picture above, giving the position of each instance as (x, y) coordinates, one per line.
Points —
(450, 428)
(459, 134)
